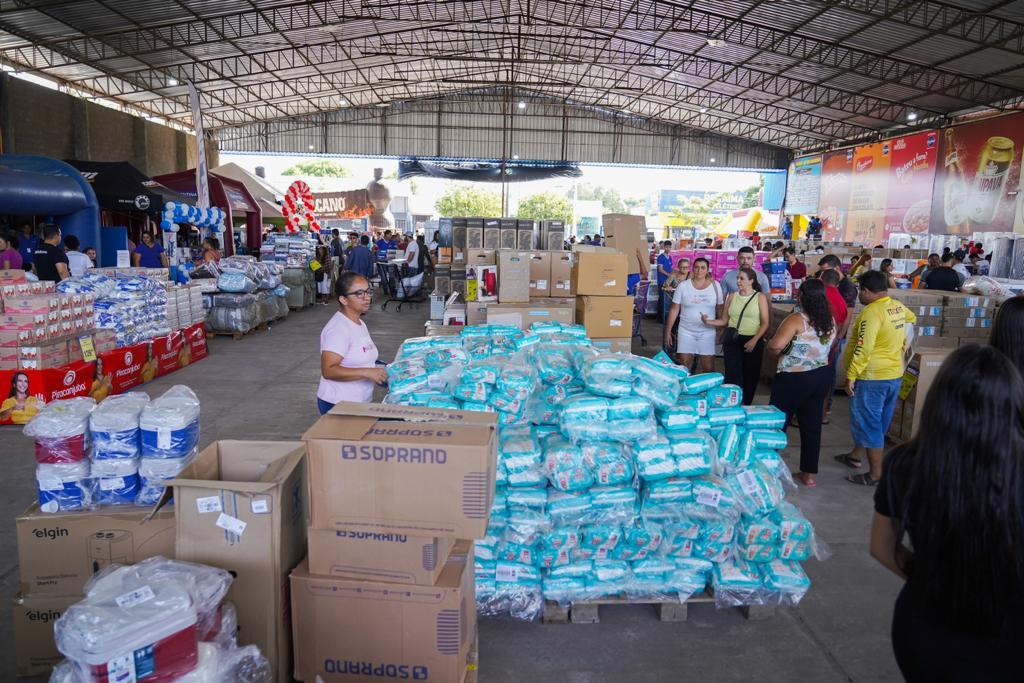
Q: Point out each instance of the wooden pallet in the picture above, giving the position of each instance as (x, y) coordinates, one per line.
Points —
(588, 611)
(262, 327)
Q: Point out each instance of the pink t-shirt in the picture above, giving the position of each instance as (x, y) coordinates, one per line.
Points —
(352, 342)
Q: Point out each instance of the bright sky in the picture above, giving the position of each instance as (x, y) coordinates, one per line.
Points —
(629, 181)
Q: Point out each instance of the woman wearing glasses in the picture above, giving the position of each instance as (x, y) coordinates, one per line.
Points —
(348, 355)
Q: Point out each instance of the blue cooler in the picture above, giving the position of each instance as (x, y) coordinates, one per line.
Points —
(169, 426)
(63, 487)
(115, 426)
(115, 481)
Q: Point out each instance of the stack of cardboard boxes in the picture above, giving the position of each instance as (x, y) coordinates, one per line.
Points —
(460, 236)
(395, 496)
(917, 379)
(184, 306)
(946, 320)
(519, 287)
(58, 553)
(39, 327)
(602, 306)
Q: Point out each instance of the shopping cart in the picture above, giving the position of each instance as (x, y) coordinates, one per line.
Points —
(640, 308)
(395, 283)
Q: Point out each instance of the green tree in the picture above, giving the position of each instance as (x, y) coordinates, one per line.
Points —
(696, 213)
(546, 206)
(318, 168)
(752, 195)
(469, 200)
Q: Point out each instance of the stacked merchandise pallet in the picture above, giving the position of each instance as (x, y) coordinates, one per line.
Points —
(619, 477)
(946, 320)
(248, 295)
(390, 547)
(293, 253)
(40, 327)
(99, 470)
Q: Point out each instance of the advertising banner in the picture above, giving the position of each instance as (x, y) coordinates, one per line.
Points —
(29, 390)
(803, 185)
(119, 370)
(350, 204)
(977, 184)
(869, 191)
(836, 177)
(195, 342)
(169, 353)
(911, 179)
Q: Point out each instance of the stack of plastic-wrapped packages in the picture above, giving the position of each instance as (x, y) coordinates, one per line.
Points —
(120, 452)
(288, 251)
(617, 475)
(133, 306)
(249, 293)
(159, 620)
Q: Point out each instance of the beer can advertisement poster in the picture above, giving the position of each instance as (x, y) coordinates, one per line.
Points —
(977, 184)
(911, 177)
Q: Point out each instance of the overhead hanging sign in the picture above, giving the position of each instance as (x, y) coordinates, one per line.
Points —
(803, 186)
(202, 170)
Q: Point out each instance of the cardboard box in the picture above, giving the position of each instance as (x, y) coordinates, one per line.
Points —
(614, 345)
(944, 342)
(605, 316)
(349, 630)
(524, 238)
(540, 274)
(628, 234)
(961, 300)
(599, 274)
(537, 310)
(957, 313)
(373, 556)
(391, 468)
(561, 273)
(553, 241)
(492, 238)
(917, 379)
(33, 617)
(975, 334)
(509, 238)
(481, 275)
(10, 276)
(459, 242)
(513, 276)
(474, 238)
(241, 506)
(476, 312)
(59, 552)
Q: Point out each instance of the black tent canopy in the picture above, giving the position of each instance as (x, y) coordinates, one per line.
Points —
(119, 186)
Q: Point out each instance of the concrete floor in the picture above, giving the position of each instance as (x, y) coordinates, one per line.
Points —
(263, 387)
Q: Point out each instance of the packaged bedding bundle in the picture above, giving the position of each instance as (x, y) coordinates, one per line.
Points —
(158, 620)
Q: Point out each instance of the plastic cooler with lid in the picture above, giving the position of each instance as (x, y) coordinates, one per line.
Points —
(140, 623)
(169, 425)
(115, 426)
(154, 473)
(63, 486)
(61, 431)
(115, 481)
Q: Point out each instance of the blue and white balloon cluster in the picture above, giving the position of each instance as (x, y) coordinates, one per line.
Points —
(175, 213)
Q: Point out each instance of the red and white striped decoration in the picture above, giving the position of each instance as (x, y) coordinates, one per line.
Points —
(298, 204)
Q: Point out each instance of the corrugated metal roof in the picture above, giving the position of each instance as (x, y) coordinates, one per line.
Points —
(853, 67)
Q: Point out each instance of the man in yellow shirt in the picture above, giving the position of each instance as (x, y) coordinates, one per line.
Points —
(874, 373)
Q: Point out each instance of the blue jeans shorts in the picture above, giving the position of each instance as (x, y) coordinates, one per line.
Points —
(323, 406)
(871, 409)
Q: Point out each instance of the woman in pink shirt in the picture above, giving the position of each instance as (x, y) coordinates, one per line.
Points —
(348, 355)
(10, 258)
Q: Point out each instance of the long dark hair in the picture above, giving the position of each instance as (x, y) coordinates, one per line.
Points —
(14, 384)
(956, 489)
(752, 276)
(814, 305)
(1008, 331)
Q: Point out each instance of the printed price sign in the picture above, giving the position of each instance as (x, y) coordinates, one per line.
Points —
(88, 349)
(314, 265)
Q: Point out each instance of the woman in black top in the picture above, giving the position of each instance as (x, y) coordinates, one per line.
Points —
(1008, 331)
(955, 495)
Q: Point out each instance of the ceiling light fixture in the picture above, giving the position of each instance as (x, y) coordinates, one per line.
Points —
(522, 105)
(715, 42)
(312, 146)
(712, 160)
(703, 110)
(912, 116)
(515, 156)
(172, 82)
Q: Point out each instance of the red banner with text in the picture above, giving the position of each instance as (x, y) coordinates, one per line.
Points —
(29, 390)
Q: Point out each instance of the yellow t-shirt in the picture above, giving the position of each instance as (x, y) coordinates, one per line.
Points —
(875, 346)
(20, 417)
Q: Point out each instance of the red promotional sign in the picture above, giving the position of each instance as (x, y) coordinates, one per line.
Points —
(869, 191)
(977, 184)
(836, 176)
(195, 340)
(169, 353)
(911, 177)
(119, 370)
(29, 390)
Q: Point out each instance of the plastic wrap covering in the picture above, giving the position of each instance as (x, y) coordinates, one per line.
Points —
(64, 486)
(158, 620)
(115, 481)
(115, 426)
(154, 473)
(235, 282)
(267, 306)
(240, 319)
(621, 476)
(226, 300)
(61, 430)
(170, 424)
(134, 307)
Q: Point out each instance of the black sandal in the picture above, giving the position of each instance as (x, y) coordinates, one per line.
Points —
(846, 459)
(862, 479)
